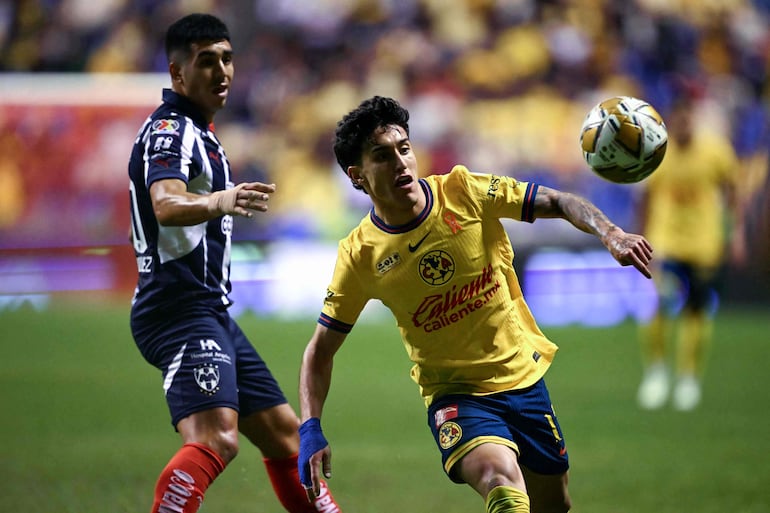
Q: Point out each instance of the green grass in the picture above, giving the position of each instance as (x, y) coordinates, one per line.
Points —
(85, 429)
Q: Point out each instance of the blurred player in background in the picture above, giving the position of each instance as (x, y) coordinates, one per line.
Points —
(434, 252)
(182, 202)
(691, 214)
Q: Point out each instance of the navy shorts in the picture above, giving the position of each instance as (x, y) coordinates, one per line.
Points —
(523, 420)
(207, 362)
(682, 285)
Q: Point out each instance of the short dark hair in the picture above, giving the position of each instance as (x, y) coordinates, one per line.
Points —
(194, 28)
(359, 125)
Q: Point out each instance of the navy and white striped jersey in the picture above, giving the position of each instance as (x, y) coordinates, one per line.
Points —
(179, 266)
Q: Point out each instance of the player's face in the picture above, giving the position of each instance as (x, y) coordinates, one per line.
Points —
(681, 124)
(388, 172)
(206, 76)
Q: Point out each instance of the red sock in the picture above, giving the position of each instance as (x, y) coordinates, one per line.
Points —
(184, 481)
(284, 476)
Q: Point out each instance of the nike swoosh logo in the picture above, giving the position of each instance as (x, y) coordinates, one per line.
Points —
(413, 248)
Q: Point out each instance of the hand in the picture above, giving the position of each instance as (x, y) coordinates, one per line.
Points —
(629, 249)
(313, 450)
(241, 200)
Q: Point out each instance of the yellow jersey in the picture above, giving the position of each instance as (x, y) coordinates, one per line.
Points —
(686, 207)
(448, 279)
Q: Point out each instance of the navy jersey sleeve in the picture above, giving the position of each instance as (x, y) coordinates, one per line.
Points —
(167, 154)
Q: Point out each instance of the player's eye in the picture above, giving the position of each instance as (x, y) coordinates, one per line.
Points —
(206, 62)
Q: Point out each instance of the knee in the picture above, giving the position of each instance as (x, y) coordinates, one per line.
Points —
(222, 441)
(225, 443)
(495, 479)
(216, 428)
(489, 466)
(489, 477)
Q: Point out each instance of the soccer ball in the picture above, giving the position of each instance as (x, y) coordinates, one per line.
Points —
(623, 139)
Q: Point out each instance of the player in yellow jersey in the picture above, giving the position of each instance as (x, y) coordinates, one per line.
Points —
(690, 211)
(434, 251)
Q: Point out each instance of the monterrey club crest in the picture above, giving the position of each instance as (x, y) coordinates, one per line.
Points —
(437, 267)
(449, 434)
(207, 377)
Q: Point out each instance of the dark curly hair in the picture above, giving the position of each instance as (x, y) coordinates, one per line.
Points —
(359, 125)
(194, 28)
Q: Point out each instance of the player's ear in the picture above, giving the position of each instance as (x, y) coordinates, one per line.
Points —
(175, 70)
(354, 173)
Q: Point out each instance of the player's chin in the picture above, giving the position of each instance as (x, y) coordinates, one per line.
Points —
(407, 200)
(408, 188)
(218, 101)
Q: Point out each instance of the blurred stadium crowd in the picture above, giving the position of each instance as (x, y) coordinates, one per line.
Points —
(499, 85)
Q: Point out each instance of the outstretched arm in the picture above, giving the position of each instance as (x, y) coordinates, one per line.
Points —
(314, 381)
(626, 248)
(174, 206)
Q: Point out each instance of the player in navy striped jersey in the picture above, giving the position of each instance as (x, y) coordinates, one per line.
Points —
(434, 252)
(183, 200)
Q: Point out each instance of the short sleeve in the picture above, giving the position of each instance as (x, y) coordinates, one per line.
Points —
(167, 155)
(345, 297)
(500, 196)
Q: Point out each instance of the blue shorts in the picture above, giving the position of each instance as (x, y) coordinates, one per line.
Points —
(523, 420)
(207, 362)
(682, 285)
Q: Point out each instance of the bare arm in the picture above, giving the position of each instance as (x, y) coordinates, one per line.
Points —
(626, 248)
(316, 372)
(314, 382)
(175, 206)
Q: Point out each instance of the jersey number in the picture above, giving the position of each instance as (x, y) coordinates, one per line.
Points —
(137, 230)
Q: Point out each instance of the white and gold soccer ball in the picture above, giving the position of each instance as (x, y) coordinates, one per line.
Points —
(623, 139)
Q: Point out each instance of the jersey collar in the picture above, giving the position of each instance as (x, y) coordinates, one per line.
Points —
(414, 223)
(185, 106)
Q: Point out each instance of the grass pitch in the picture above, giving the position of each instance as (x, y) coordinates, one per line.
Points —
(85, 429)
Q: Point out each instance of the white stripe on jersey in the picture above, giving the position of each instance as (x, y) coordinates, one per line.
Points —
(176, 241)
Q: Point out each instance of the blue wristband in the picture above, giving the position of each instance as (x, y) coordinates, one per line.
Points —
(311, 440)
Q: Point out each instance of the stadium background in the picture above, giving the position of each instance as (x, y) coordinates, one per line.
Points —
(501, 86)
